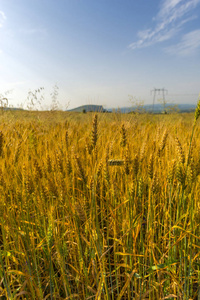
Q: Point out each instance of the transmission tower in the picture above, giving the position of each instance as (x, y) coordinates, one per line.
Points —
(158, 92)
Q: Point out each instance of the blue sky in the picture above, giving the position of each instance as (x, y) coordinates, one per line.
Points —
(100, 51)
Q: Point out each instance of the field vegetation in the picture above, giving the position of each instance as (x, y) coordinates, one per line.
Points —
(99, 206)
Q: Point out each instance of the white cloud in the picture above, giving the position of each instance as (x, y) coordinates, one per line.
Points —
(189, 44)
(2, 18)
(172, 16)
(2, 15)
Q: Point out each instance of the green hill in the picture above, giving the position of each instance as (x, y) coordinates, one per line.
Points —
(88, 108)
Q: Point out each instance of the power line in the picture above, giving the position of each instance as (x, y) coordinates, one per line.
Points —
(183, 94)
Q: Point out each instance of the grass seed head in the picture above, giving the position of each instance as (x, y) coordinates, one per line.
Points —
(155, 187)
(123, 136)
(172, 171)
(150, 166)
(162, 143)
(136, 165)
(94, 131)
(179, 148)
(69, 165)
(180, 173)
(126, 162)
(197, 112)
(192, 171)
(80, 169)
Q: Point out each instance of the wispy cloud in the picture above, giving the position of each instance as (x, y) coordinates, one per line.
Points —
(171, 17)
(2, 18)
(33, 31)
(189, 44)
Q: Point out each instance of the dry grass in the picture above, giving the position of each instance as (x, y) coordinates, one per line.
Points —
(99, 206)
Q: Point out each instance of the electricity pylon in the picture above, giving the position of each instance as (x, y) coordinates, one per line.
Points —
(158, 91)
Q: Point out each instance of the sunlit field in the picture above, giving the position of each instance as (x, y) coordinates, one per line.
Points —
(99, 206)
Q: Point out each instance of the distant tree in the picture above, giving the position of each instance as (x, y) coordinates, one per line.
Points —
(167, 107)
(137, 104)
(172, 109)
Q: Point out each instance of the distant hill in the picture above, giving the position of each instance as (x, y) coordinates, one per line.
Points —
(89, 108)
(158, 108)
(11, 108)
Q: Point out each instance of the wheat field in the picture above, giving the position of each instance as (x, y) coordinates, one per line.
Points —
(99, 206)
